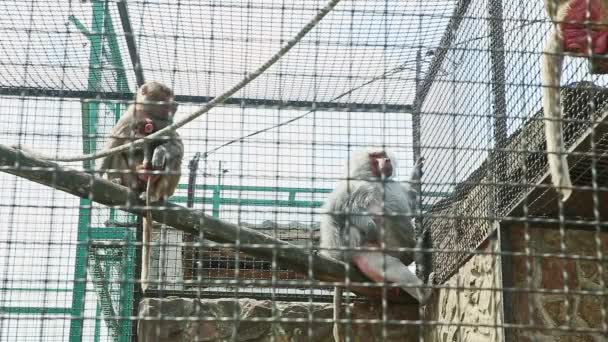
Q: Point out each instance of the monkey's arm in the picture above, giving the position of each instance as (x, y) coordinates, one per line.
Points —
(169, 154)
(362, 219)
(412, 190)
(120, 134)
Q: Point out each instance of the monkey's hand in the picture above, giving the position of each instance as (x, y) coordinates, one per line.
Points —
(366, 225)
(159, 157)
(164, 155)
(417, 173)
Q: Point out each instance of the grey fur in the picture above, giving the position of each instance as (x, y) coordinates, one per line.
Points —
(347, 219)
(348, 216)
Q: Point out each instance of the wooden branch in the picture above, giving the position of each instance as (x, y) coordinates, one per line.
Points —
(254, 243)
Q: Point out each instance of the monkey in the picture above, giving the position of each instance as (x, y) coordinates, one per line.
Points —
(152, 111)
(571, 34)
(370, 208)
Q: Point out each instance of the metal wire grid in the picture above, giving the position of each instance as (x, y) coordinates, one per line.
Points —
(494, 182)
(457, 131)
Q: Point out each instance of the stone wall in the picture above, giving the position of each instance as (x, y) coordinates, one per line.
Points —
(466, 309)
(543, 312)
(260, 321)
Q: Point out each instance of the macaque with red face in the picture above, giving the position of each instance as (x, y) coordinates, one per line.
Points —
(152, 111)
(370, 208)
(580, 27)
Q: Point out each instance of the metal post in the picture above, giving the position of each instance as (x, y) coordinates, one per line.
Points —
(498, 157)
(89, 128)
(417, 109)
(188, 252)
(138, 294)
(217, 193)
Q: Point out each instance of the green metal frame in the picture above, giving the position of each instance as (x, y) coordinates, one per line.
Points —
(102, 27)
(217, 200)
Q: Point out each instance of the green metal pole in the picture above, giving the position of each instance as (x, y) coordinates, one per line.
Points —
(89, 128)
(217, 193)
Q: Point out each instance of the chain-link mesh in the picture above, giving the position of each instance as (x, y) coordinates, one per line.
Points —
(454, 82)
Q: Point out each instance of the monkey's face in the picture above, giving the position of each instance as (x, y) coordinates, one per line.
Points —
(155, 101)
(146, 122)
(380, 165)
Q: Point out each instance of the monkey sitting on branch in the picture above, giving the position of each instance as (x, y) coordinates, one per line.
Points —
(581, 28)
(153, 172)
(371, 209)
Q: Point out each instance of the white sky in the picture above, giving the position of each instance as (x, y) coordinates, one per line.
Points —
(216, 46)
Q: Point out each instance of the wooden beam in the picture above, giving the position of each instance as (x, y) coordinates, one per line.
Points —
(191, 221)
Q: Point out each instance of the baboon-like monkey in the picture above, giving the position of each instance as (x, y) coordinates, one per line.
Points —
(153, 110)
(370, 208)
(570, 34)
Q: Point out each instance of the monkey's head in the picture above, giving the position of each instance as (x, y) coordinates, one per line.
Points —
(154, 107)
(371, 163)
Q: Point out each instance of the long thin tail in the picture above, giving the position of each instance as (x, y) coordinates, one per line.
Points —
(337, 308)
(146, 238)
(551, 72)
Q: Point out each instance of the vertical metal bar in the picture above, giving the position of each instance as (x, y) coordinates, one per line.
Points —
(498, 72)
(189, 252)
(217, 193)
(128, 304)
(137, 291)
(498, 157)
(416, 112)
(130, 39)
(444, 45)
(89, 128)
(122, 84)
(98, 314)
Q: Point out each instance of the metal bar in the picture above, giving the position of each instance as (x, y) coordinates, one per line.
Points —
(322, 298)
(256, 188)
(498, 169)
(441, 52)
(89, 128)
(416, 134)
(216, 200)
(23, 310)
(138, 293)
(129, 302)
(79, 25)
(506, 269)
(244, 188)
(258, 202)
(26, 289)
(497, 56)
(98, 313)
(130, 39)
(231, 102)
(189, 252)
(115, 57)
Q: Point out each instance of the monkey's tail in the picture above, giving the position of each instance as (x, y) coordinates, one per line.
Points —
(146, 238)
(337, 307)
(551, 72)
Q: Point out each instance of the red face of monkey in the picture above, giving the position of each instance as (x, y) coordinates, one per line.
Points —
(151, 117)
(380, 165)
(575, 31)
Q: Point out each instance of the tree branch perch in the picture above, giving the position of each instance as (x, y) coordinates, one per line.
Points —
(190, 221)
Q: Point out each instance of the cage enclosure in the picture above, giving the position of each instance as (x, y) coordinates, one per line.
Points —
(288, 91)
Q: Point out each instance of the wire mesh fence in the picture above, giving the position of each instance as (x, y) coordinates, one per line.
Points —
(235, 251)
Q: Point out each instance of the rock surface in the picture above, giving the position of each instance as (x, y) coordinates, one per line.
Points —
(185, 319)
